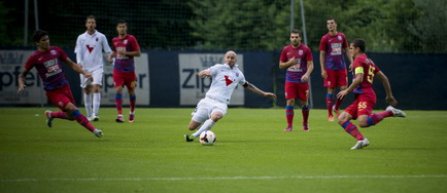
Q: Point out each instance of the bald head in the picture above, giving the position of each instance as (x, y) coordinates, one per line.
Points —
(230, 58)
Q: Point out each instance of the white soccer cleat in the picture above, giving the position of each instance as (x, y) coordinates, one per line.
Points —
(93, 118)
(360, 144)
(396, 112)
(98, 133)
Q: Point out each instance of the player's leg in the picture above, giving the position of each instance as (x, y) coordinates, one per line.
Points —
(87, 95)
(328, 83)
(132, 99)
(303, 96)
(290, 93)
(216, 115)
(75, 114)
(342, 83)
(96, 93)
(200, 115)
(118, 82)
(375, 118)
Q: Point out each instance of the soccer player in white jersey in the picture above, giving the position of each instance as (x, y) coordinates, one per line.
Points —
(224, 79)
(89, 54)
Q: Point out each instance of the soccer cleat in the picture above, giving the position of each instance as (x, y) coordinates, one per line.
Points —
(49, 118)
(306, 128)
(93, 118)
(131, 118)
(119, 119)
(188, 138)
(98, 133)
(396, 112)
(288, 129)
(360, 144)
(331, 118)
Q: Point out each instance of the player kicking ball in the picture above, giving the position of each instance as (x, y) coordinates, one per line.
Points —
(365, 98)
(212, 108)
(46, 61)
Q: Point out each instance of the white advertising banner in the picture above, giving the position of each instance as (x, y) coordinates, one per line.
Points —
(11, 62)
(143, 83)
(192, 87)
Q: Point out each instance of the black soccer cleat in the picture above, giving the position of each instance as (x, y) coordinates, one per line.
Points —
(188, 138)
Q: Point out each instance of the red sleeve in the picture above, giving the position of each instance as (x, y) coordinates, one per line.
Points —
(134, 43)
(113, 44)
(62, 55)
(309, 56)
(323, 43)
(283, 55)
(29, 64)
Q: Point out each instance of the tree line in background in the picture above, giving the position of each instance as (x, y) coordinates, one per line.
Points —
(387, 25)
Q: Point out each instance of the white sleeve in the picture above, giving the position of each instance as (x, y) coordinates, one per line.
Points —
(242, 81)
(214, 69)
(78, 51)
(105, 45)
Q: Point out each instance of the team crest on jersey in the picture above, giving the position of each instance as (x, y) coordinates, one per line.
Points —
(237, 74)
(53, 52)
(300, 52)
(96, 39)
(125, 41)
(339, 38)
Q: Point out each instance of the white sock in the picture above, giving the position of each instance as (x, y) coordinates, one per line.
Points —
(88, 104)
(205, 126)
(96, 103)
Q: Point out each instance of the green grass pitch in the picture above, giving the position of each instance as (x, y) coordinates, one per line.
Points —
(252, 154)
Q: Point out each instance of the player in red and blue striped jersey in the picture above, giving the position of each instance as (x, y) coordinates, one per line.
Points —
(125, 48)
(46, 59)
(333, 45)
(365, 98)
(297, 59)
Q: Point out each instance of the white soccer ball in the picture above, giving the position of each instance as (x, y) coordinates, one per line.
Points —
(207, 138)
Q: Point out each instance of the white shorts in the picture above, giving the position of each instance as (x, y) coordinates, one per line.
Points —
(97, 78)
(206, 107)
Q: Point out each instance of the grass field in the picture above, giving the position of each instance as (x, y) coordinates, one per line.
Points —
(252, 154)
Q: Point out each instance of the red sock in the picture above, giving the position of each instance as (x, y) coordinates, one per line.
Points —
(81, 119)
(132, 99)
(377, 117)
(337, 104)
(289, 115)
(305, 111)
(329, 103)
(59, 115)
(352, 130)
(119, 103)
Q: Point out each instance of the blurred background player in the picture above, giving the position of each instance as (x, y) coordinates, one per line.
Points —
(125, 48)
(365, 98)
(212, 108)
(333, 45)
(297, 59)
(46, 61)
(89, 54)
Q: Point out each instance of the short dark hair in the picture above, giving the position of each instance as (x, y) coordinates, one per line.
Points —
(90, 17)
(121, 21)
(296, 31)
(331, 18)
(359, 43)
(38, 34)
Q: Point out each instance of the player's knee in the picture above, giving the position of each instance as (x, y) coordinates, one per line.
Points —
(363, 122)
(290, 102)
(216, 116)
(342, 118)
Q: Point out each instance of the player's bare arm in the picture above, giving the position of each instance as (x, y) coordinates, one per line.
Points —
(285, 65)
(322, 61)
(78, 68)
(258, 91)
(204, 73)
(386, 84)
(356, 82)
(21, 81)
(131, 53)
(310, 68)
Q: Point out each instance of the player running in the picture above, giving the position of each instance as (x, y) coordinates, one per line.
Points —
(46, 61)
(212, 108)
(365, 98)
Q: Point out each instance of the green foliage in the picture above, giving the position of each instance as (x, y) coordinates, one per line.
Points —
(252, 154)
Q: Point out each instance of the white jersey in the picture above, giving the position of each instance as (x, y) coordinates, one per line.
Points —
(224, 81)
(89, 50)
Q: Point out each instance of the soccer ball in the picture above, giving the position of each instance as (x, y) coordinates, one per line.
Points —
(207, 138)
